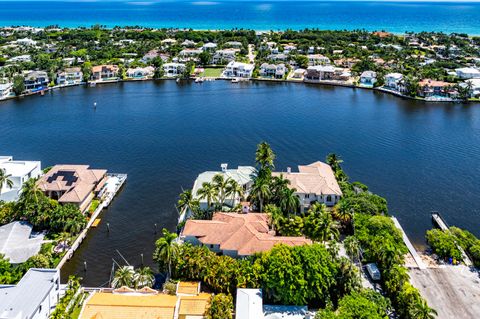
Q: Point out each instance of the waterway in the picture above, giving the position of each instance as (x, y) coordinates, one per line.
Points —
(420, 156)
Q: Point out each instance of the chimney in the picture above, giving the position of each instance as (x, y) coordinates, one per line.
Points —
(289, 170)
(224, 167)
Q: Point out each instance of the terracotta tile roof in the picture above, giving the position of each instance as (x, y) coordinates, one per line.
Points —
(194, 305)
(125, 306)
(99, 68)
(244, 233)
(317, 178)
(433, 83)
(76, 182)
(188, 288)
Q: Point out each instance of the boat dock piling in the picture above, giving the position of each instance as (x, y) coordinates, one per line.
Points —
(413, 251)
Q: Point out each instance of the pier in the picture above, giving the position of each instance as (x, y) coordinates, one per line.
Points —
(413, 251)
(113, 185)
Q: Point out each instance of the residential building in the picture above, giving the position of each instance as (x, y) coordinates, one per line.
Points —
(243, 175)
(234, 44)
(346, 63)
(149, 56)
(70, 76)
(468, 73)
(315, 182)
(188, 43)
(140, 73)
(209, 46)
(6, 90)
(236, 235)
(105, 72)
(278, 57)
(317, 59)
(475, 87)
(394, 81)
(326, 72)
(224, 56)
(18, 243)
(238, 70)
(273, 71)
(168, 42)
(368, 78)
(173, 69)
(20, 172)
(34, 297)
(189, 54)
(20, 58)
(433, 88)
(35, 81)
(73, 184)
(26, 42)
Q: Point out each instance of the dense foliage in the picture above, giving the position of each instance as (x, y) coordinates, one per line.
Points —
(221, 307)
(444, 244)
(469, 243)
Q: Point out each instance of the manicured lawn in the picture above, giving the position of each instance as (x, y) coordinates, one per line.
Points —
(212, 72)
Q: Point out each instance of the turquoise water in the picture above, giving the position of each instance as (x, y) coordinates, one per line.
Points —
(259, 15)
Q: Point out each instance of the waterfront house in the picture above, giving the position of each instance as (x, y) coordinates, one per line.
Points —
(70, 76)
(236, 235)
(243, 175)
(35, 81)
(317, 59)
(105, 72)
(299, 73)
(475, 87)
(73, 184)
(18, 243)
(394, 81)
(368, 78)
(273, 71)
(468, 73)
(432, 88)
(326, 73)
(34, 297)
(20, 172)
(224, 56)
(6, 90)
(140, 73)
(315, 182)
(173, 69)
(238, 70)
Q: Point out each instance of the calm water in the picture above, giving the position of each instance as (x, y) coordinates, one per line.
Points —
(260, 15)
(422, 157)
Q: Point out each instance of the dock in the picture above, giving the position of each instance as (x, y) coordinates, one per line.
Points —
(437, 218)
(113, 185)
(413, 251)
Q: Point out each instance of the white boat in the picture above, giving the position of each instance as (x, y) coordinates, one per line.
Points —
(235, 80)
(199, 80)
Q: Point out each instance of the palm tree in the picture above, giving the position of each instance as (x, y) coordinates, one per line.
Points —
(5, 179)
(185, 200)
(234, 189)
(421, 310)
(221, 185)
(279, 184)
(208, 192)
(123, 277)
(166, 249)
(317, 208)
(261, 191)
(289, 201)
(143, 277)
(30, 192)
(328, 228)
(352, 247)
(334, 161)
(264, 156)
(275, 214)
(343, 212)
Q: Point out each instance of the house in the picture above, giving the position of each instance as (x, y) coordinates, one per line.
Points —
(209, 46)
(35, 81)
(6, 90)
(238, 70)
(278, 57)
(394, 81)
(26, 42)
(17, 243)
(20, 58)
(326, 72)
(433, 88)
(34, 297)
(140, 73)
(249, 305)
(105, 72)
(188, 43)
(70, 76)
(20, 172)
(368, 78)
(346, 63)
(189, 54)
(317, 59)
(73, 184)
(468, 73)
(149, 56)
(243, 175)
(475, 87)
(273, 71)
(236, 235)
(299, 73)
(168, 42)
(315, 182)
(173, 69)
(224, 56)
(234, 44)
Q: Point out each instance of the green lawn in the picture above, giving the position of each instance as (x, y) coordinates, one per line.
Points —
(212, 72)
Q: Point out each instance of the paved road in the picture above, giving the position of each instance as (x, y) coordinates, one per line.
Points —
(454, 291)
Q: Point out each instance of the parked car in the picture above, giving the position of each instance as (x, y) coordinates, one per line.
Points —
(373, 271)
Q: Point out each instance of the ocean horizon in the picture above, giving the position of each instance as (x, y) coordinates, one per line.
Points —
(392, 16)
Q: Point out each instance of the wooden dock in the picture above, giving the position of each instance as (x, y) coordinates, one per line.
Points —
(413, 251)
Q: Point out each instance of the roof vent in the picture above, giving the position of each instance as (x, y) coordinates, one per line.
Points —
(224, 167)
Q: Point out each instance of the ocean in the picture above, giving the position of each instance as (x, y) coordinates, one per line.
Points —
(398, 17)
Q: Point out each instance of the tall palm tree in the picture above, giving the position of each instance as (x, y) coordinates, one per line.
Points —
(143, 277)
(123, 277)
(221, 186)
(208, 192)
(185, 199)
(289, 201)
(261, 191)
(166, 249)
(343, 212)
(421, 310)
(274, 214)
(352, 247)
(30, 192)
(5, 179)
(234, 189)
(264, 156)
(328, 228)
(334, 161)
(279, 184)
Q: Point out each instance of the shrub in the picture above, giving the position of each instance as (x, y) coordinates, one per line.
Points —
(444, 244)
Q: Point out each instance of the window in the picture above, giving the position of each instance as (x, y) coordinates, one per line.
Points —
(307, 195)
(329, 198)
(211, 246)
